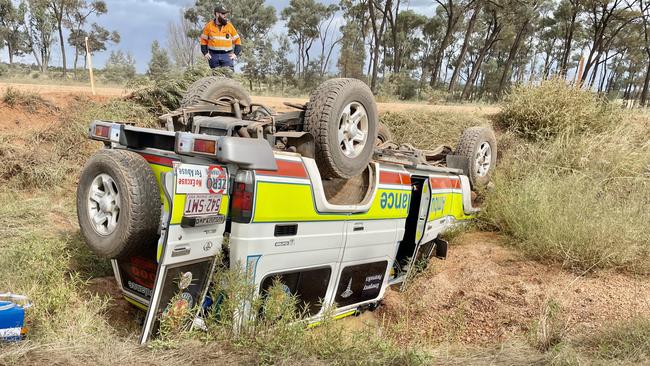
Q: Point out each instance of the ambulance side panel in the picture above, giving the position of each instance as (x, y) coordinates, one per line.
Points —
(286, 238)
(372, 239)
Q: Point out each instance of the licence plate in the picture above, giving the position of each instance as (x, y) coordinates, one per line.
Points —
(202, 204)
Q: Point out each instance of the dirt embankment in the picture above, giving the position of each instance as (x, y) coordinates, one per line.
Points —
(485, 293)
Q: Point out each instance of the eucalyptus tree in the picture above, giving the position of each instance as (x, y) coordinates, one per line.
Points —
(13, 31)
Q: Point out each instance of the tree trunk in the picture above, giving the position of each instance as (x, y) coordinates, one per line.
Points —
(377, 41)
(397, 59)
(437, 60)
(547, 66)
(76, 59)
(306, 65)
(601, 84)
(489, 42)
(11, 53)
(463, 49)
(467, 90)
(566, 49)
(62, 49)
(646, 84)
(511, 56)
(370, 58)
(58, 13)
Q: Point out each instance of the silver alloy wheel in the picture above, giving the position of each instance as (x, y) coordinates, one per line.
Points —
(483, 159)
(353, 129)
(103, 204)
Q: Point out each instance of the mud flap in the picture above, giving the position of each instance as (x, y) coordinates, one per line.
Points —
(441, 248)
(458, 162)
(186, 260)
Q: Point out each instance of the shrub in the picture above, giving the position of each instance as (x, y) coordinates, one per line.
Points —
(434, 96)
(552, 108)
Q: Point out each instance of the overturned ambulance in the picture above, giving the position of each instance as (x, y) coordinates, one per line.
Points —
(318, 198)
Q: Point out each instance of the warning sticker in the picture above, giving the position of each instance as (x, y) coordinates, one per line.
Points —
(217, 181)
(192, 178)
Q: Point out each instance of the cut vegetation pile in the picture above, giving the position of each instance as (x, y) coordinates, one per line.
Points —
(573, 186)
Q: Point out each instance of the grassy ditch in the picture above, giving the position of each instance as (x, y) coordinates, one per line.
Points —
(43, 255)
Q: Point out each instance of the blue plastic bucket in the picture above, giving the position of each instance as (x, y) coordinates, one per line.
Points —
(12, 317)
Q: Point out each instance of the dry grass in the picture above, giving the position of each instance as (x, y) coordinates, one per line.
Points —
(51, 264)
(30, 101)
(53, 156)
(430, 129)
(624, 342)
(577, 196)
(541, 112)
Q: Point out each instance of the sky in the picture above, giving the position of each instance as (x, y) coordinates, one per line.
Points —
(140, 22)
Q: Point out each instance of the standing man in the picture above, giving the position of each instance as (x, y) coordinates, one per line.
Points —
(220, 43)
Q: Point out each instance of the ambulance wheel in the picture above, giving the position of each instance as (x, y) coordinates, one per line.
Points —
(215, 88)
(118, 203)
(383, 134)
(479, 146)
(342, 117)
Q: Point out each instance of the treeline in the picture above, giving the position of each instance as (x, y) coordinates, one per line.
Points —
(35, 27)
(470, 49)
(467, 50)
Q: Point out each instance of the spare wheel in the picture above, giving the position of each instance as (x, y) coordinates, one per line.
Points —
(342, 117)
(118, 203)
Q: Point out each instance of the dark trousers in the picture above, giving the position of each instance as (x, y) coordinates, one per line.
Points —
(220, 60)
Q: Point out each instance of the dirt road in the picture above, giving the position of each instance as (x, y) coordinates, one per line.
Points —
(56, 92)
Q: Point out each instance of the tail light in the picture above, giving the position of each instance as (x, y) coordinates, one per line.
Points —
(192, 144)
(104, 131)
(243, 196)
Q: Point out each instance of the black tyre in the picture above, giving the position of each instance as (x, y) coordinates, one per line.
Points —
(118, 203)
(383, 134)
(342, 117)
(479, 145)
(215, 88)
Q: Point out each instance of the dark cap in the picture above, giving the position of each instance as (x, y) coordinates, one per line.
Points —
(220, 9)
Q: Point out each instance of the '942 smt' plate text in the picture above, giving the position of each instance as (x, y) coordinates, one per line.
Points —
(202, 204)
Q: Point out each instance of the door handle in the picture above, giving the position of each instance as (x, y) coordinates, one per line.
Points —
(180, 251)
(358, 226)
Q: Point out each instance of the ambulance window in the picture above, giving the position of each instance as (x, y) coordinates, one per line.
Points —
(360, 283)
(309, 286)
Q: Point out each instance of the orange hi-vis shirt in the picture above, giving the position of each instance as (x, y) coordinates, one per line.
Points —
(220, 39)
